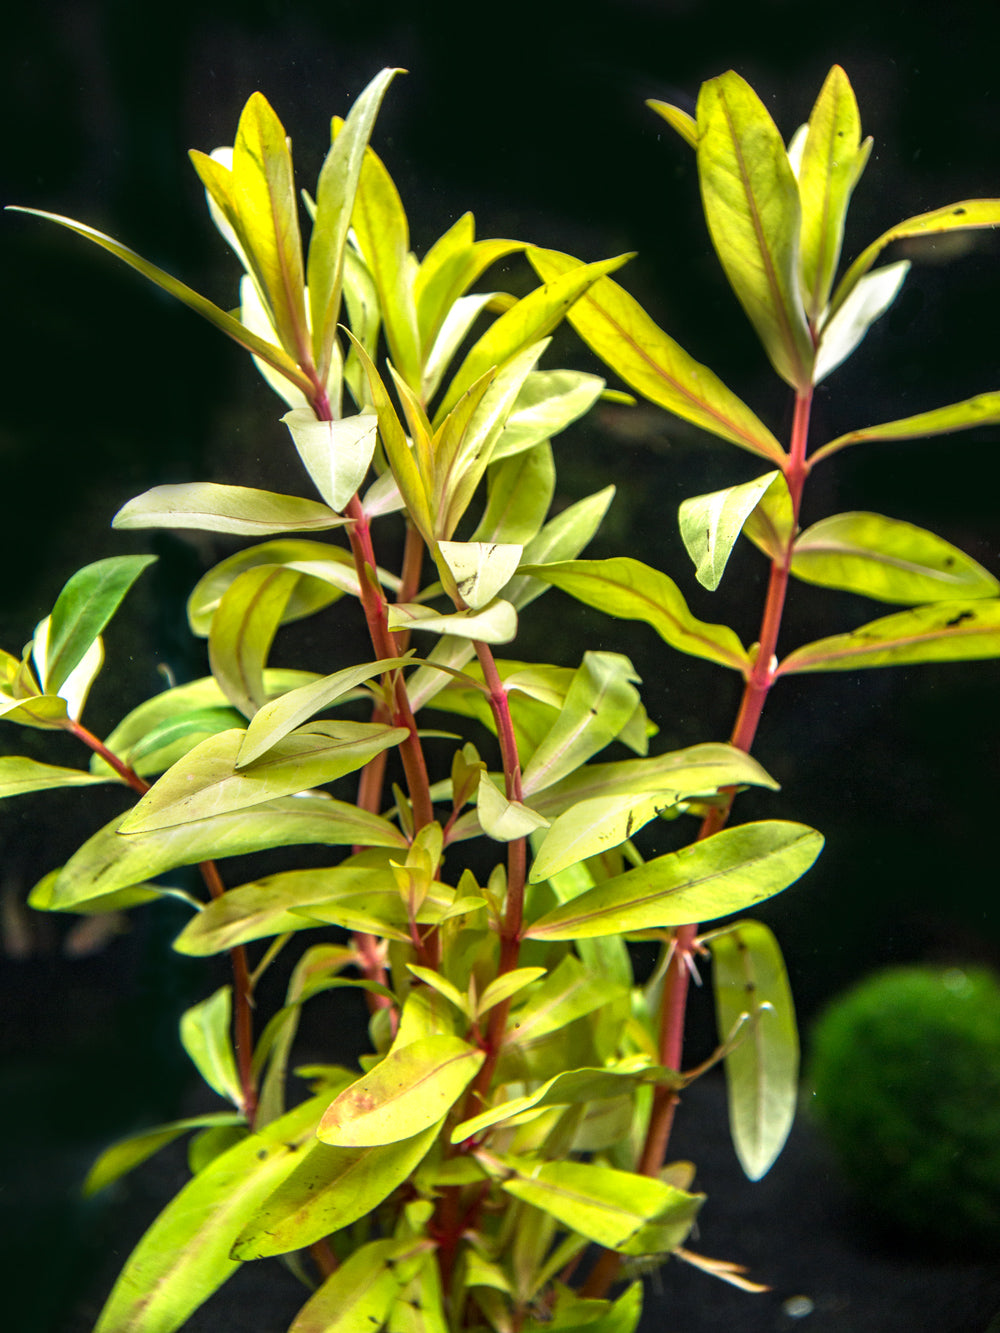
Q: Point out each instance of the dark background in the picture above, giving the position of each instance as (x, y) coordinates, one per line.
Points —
(533, 117)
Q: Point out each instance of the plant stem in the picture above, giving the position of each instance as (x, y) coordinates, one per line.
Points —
(673, 1005)
(242, 984)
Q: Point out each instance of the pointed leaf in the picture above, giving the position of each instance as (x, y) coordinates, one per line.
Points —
(205, 1036)
(359, 1295)
(327, 572)
(613, 1208)
(549, 401)
(969, 213)
(762, 1069)
(617, 328)
(599, 703)
(19, 775)
(503, 987)
(982, 410)
(127, 1154)
(480, 569)
(592, 827)
(725, 873)
(520, 490)
(751, 202)
(631, 590)
(243, 628)
(328, 1190)
(531, 319)
(336, 454)
(944, 632)
(710, 525)
(502, 819)
(494, 623)
(681, 121)
(772, 524)
(214, 508)
(108, 862)
(207, 782)
(82, 609)
(889, 560)
(335, 192)
(868, 301)
(411, 1089)
(569, 991)
(276, 719)
(185, 1255)
(832, 158)
(267, 351)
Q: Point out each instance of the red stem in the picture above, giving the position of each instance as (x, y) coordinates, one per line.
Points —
(673, 1003)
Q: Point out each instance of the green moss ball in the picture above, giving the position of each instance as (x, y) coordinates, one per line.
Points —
(905, 1074)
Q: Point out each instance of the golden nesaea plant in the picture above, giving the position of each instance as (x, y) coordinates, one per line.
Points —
(515, 1109)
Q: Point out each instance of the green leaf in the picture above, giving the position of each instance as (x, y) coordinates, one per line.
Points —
(772, 524)
(186, 1254)
(480, 569)
(570, 991)
(329, 1189)
(263, 188)
(698, 770)
(943, 632)
(216, 508)
(617, 328)
(725, 873)
(207, 781)
(336, 454)
(566, 1089)
(618, 1209)
(889, 560)
(681, 121)
(983, 410)
(506, 985)
(172, 739)
(358, 896)
(335, 194)
(359, 1295)
(549, 401)
(751, 202)
(19, 775)
(127, 1154)
(242, 630)
(200, 701)
(832, 161)
(494, 623)
(969, 213)
(205, 1030)
(531, 319)
(108, 862)
(762, 1068)
(82, 609)
(267, 351)
(867, 302)
(379, 221)
(520, 490)
(599, 703)
(502, 819)
(276, 719)
(327, 571)
(710, 525)
(591, 828)
(631, 590)
(411, 1089)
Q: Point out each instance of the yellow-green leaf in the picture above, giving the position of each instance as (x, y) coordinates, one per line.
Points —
(621, 333)
(242, 630)
(681, 121)
(411, 1089)
(217, 508)
(751, 202)
(336, 454)
(631, 590)
(982, 410)
(942, 632)
(359, 1295)
(19, 775)
(207, 781)
(751, 984)
(888, 560)
(725, 873)
(710, 525)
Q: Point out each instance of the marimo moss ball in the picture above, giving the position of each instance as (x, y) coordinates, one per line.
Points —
(905, 1073)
